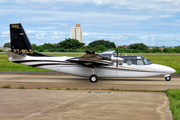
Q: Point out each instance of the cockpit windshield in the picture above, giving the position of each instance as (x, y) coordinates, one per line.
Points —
(147, 62)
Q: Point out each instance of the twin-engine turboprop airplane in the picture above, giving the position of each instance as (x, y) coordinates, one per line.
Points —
(90, 65)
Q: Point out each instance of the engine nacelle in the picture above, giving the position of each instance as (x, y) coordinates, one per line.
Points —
(116, 59)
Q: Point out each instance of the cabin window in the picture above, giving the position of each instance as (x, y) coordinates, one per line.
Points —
(120, 63)
(129, 62)
(134, 61)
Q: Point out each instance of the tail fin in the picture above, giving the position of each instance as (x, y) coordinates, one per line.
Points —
(19, 41)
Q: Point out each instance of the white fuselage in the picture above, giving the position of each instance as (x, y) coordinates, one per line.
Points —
(60, 64)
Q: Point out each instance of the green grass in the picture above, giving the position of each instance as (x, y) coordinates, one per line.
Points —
(7, 86)
(171, 60)
(174, 97)
(22, 87)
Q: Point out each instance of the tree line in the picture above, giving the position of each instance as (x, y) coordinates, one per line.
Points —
(73, 45)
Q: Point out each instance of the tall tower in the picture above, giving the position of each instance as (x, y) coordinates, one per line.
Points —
(76, 33)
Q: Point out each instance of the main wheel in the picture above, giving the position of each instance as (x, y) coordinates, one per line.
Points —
(168, 78)
(93, 78)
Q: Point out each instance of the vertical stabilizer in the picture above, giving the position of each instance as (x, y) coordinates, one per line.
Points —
(19, 41)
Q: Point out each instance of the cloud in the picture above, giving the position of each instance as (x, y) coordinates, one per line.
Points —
(86, 34)
(5, 33)
(30, 32)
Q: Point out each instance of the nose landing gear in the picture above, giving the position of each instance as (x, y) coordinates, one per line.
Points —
(167, 77)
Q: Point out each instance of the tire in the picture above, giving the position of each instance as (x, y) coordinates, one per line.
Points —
(168, 78)
(93, 78)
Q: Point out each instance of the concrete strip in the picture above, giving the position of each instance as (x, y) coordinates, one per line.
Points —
(30, 104)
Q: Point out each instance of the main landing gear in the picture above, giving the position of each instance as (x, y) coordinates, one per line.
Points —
(167, 77)
(93, 78)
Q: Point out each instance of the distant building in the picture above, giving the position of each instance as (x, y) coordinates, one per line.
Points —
(76, 33)
(126, 46)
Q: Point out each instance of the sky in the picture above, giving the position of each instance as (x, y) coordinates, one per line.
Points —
(124, 22)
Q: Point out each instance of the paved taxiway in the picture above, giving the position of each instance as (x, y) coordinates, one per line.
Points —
(69, 81)
(33, 104)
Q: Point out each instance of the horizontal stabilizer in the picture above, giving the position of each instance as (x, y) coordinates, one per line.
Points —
(13, 55)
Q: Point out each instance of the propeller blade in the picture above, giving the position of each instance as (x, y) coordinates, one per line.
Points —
(117, 57)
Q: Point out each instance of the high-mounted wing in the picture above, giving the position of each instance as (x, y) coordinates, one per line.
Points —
(91, 59)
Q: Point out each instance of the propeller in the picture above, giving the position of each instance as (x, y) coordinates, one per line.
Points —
(117, 58)
(121, 49)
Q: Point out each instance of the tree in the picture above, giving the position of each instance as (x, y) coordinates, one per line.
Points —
(139, 47)
(41, 49)
(156, 49)
(7, 45)
(70, 44)
(168, 50)
(177, 49)
(35, 47)
(100, 48)
(1, 50)
(107, 44)
(48, 46)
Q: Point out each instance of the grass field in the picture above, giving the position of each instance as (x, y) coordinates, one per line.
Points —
(174, 97)
(170, 60)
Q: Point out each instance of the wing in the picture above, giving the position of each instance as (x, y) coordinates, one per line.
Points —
(91, 59)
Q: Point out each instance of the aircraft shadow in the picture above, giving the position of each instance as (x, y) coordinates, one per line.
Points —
(108, 79)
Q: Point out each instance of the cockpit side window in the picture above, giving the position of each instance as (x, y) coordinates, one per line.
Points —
(147, 62)
(140, 62)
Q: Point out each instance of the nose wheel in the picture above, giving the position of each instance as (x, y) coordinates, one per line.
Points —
(168, 78)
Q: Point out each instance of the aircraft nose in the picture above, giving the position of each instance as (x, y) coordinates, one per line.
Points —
(164, 69)
(169, 70)
(172, 70)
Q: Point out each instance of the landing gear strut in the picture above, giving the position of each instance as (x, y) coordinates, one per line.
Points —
(93, 78)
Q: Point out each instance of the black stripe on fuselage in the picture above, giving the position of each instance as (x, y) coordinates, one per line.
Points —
(51, 64)
(24, 61)
(45, 64)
